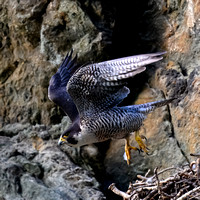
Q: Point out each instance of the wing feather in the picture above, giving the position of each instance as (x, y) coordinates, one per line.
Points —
(96, 87)
(57, 86)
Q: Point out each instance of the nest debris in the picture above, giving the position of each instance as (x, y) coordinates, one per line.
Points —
(184, 184)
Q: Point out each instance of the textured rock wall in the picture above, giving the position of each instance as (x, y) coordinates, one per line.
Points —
(34, 37)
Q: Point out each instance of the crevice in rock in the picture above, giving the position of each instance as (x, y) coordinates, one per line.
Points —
(98, 11)
(183, 153)
(34, 23)
(183, 70)
(18, 186)
(13, 172)
(173, 134)
(8, 72)
(170, 120)
(40, 9)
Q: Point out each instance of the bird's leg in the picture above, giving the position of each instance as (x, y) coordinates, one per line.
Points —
(128, 150)
(139, 140)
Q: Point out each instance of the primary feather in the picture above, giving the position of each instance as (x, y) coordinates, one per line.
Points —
(57, 87)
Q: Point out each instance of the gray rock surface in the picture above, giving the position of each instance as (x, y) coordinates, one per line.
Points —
(32, 168)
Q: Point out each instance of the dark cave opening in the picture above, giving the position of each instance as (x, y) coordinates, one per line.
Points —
(136, 32)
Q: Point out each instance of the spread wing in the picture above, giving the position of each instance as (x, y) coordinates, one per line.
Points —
(57, 86)
(97, 87)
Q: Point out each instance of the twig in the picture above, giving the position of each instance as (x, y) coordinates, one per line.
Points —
(195, 155)
(160, 191)
(147, 173)
(189, 193)
(150, 179)
(184, 184)
(146, 187)
(151, 194)
(114, 189)
(193, 197)
(130, 188)
(167, 169)
(143, 178)
(158, 181)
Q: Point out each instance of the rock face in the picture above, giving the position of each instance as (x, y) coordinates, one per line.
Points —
(34, 38)
(35, 168)
(172, 132)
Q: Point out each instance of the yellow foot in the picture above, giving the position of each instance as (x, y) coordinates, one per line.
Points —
(139, 139)
(128, 150)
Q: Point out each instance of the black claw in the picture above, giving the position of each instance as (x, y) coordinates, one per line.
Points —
(149, 154)
(138, 150)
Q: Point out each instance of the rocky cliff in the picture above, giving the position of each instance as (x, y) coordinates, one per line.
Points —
(34, 38)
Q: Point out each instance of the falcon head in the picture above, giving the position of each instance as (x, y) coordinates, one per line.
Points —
(71, 136)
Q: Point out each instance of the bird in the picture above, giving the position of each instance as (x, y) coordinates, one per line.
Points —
(90, 95)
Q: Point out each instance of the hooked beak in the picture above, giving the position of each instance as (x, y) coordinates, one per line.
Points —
(62, 140)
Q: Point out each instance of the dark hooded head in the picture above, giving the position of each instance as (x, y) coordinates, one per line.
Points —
(71, 135)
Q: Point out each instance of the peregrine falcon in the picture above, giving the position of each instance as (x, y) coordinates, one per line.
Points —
(90, 95)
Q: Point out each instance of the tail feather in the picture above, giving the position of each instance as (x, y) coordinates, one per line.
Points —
(148, 107)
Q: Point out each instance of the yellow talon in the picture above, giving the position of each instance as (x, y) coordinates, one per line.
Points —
(128, 150)
(142, 145)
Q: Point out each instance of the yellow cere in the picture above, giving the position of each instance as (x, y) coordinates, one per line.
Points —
(63, 139)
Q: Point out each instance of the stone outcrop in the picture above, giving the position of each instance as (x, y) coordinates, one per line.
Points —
(34, 38)
(33, 167)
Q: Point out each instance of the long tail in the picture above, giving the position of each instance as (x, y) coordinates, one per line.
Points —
(148, 107)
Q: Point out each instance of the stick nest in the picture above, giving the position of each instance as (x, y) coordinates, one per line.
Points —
(184, 184)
